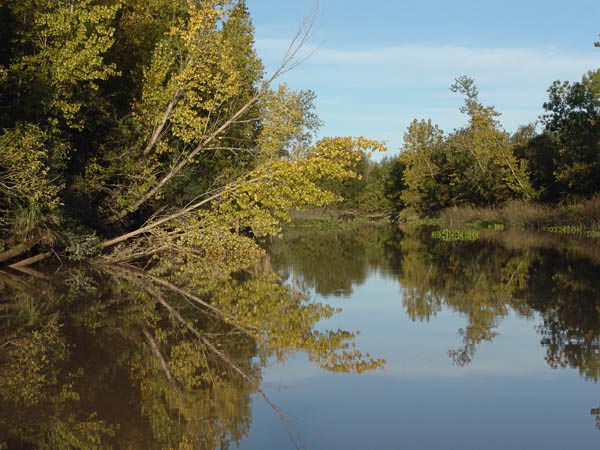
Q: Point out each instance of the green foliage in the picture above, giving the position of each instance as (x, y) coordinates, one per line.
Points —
(58, 59)
(450, 235)
(573, 121)
(540, 151)
(486, 225)
(279, 185)
(423, 159)
(475, 165)
(28, 192)
(134, 110)
(373, 191)
(577, 230)
(289, 123)
(394, 183)
(80, 247)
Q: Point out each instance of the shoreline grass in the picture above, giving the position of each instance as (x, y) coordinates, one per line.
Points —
(565, 219)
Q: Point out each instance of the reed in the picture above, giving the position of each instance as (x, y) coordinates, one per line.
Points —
(584, 214)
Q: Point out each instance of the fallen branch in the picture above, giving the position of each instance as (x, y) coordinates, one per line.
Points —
(158, 355)
(189, 296)
(32, 260)
(182, 212)
(17, 250)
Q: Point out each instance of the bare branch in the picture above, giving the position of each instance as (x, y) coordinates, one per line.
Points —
(289, 62)
(158, 355)
(159, 129)
(182, 212)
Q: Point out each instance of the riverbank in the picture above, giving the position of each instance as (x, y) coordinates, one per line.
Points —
(314, 215)
(584, 215)
(570, 219)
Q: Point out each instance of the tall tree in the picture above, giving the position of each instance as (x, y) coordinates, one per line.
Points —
(422, 157)
(573, 119)
(496, 174)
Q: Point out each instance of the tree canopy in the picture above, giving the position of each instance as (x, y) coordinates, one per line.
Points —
(135, 115)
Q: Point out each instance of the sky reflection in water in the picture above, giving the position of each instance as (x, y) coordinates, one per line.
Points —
(507, 396)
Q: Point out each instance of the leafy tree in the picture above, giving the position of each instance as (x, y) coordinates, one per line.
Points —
(474, 165)
(373, 198)
(541, 152)
(57, 62)
(423, 158)
(573, 120)
(496, 174)
(29, 199)
(144, 115)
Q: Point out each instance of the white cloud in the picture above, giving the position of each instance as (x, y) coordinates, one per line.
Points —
(460, 58)
(527, 63)
(371, 91)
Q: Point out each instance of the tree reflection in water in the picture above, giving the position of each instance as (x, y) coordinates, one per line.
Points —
(167, 358)
(532, 275)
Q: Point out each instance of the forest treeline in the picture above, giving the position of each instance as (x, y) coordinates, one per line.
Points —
(151, 123)
(554, 161)
(137, 128)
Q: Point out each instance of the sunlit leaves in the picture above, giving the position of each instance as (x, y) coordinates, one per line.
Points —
(266, 195)
(68, 43)
(423, 156)
(473, 165)
(288, 122)
(29, 194)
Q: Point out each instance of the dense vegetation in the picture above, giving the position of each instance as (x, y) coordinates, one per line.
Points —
(555, 161)
(125, 119)
(153, 120)
(144, 137)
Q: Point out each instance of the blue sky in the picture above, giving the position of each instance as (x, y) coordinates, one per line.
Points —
(381, 64)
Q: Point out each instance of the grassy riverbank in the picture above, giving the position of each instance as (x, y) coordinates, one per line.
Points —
(564, 219)
(583, 215)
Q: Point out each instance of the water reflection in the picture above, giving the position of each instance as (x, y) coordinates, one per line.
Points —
(484, 280)
(331, 262)
(117, 357)
(114, 356)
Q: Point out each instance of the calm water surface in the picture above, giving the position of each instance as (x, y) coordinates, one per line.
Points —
(489, 344)
(490, 341)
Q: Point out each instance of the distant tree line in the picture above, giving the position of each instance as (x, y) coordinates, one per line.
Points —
(556, 160)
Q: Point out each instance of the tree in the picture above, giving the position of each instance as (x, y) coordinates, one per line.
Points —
(541, 152)
(497, 175)
(572, 118)
(474, 165)
(395, 184)
(57, 61)
(423, 157)
(172, 123)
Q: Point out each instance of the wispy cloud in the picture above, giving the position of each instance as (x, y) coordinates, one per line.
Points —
(528, 63)
(372, 89)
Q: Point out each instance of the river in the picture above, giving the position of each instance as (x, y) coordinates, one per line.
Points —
(346, 337)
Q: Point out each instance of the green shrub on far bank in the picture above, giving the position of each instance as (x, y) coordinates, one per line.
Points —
(585, 214)
(451, 235)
